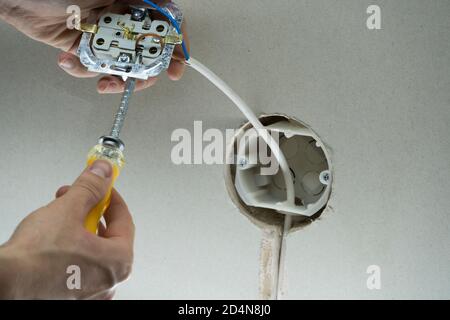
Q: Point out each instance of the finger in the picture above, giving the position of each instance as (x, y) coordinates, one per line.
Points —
(176, 70)
(119, 222)
(109, 295)
(89, 189)
(144, 84)
(72, 65)
(62, 191)
(111, 85)
(177, 67)
(106, 295)
(101, 229)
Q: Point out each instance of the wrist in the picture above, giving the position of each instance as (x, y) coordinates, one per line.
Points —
(11, 271)
(6, 265)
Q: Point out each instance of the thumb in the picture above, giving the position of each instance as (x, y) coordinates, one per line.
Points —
(90, 187)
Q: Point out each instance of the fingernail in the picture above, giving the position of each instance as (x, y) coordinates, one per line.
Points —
(67, 64)
(103, 85)
(101, 168)
(112, 85)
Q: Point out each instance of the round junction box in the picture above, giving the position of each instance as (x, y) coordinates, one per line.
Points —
(260, 192)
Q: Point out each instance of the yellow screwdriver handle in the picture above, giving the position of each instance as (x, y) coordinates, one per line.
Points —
(115, 157)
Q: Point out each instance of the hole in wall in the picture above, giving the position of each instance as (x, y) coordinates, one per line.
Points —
(310, 168)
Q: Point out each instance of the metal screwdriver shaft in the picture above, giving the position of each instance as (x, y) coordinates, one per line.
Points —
(123, 109)
(110, 148)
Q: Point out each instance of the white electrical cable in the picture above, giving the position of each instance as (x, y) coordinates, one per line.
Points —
(250, 115)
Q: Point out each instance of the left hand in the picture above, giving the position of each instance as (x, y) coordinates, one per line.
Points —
(46, 21)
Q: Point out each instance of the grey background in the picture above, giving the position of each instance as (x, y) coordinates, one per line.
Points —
(379, 99)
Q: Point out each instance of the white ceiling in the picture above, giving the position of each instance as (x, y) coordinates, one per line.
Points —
(379, 99)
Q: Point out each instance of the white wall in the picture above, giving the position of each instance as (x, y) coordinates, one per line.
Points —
(380, 100)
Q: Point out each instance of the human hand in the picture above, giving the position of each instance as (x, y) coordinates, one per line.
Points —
(35, 261)
(46, 21)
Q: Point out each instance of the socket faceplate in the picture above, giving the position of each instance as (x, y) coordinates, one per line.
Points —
(121, 46)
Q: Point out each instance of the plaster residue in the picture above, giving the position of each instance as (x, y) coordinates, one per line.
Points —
(269, 263)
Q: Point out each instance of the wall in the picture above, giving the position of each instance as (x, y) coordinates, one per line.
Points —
(379, 99)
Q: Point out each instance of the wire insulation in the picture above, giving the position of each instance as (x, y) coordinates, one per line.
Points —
(250, 115)
(245, 109)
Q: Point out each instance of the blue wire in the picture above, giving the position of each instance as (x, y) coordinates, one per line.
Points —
(174, 23)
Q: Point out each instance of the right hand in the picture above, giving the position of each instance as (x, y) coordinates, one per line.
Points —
(35, 261)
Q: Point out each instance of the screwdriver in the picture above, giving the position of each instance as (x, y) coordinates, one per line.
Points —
(110, 148)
